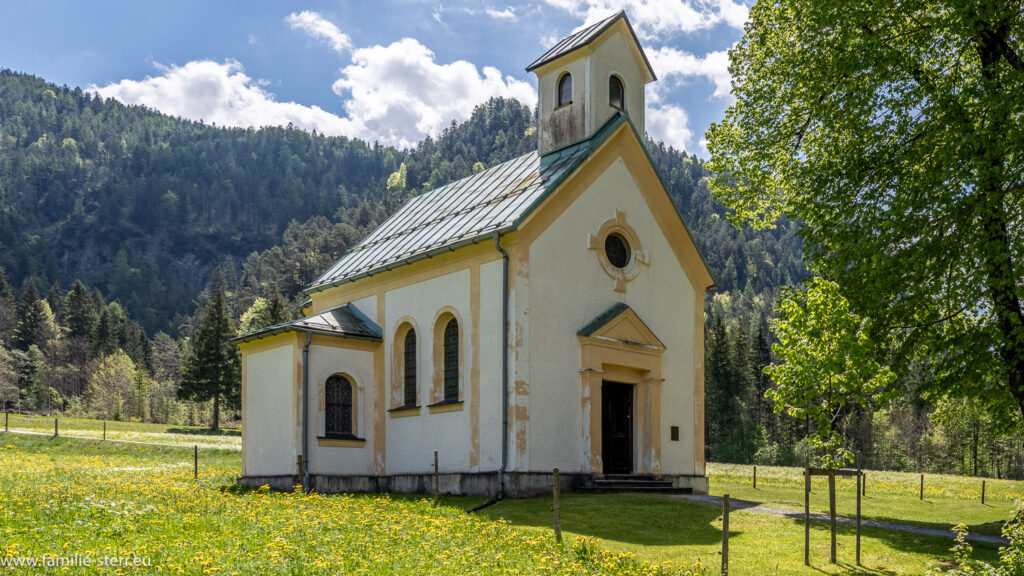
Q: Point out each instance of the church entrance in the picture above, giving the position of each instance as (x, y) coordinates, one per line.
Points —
(617, 427)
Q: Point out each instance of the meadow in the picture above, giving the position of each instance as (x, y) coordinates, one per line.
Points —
(229, 439)
(71, 498)
(891, 496)
(61, 497)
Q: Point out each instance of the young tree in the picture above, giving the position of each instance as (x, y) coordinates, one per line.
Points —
(212, 369)
(111, 387)
(263, 312)
(894, 132)
(826, 365)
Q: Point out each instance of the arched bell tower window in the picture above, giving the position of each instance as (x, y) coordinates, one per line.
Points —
(338, 406)
(616, 93)
(565, 89)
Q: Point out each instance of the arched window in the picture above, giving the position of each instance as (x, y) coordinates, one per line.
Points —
(410, 367)
(616, 93)
(451, 361)
(565, 89)
(338, 406)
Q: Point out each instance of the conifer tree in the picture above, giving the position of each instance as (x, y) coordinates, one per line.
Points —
(34, 323)
(55, 298)
(80, 312)
(105, 339)
(212, 369)
(6, 309)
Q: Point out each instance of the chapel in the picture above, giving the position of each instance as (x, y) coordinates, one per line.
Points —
(544, 313)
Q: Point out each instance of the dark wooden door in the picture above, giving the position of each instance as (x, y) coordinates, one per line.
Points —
(617, 427)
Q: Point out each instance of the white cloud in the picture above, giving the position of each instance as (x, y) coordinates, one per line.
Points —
(220, 93)
(660, 18)
(671, 63)
(398, 93)
(506, 14)
(669, 124)
(320, 28)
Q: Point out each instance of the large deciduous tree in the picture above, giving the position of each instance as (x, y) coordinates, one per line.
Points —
(895, 132)
(213, 369)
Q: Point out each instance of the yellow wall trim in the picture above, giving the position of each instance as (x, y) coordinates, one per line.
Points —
(342, 442)
(442, 408)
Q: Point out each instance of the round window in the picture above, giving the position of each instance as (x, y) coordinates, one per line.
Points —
(616, 248)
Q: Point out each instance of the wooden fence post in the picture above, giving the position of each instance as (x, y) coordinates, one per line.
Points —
(725, 535)
(56, 432)
(922, 486)
(832, 511)
(437, 482)
(6, 414)
(755, 477)
(556, 497)
(864, 485)
(858, 516)
(982, 491)
(195, 469)
(807, 517)
(104, 429)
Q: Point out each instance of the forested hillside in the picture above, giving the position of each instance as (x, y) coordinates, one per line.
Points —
(147, 217)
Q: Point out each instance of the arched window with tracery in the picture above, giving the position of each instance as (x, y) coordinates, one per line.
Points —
(338, 406)
(451, 361)
(410, 367)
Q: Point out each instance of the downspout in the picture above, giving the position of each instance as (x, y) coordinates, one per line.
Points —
(504, 365)
(305, 413)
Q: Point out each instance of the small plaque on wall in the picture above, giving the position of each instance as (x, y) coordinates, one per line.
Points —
(675, 433)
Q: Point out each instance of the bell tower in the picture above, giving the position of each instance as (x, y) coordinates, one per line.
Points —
(587, 77)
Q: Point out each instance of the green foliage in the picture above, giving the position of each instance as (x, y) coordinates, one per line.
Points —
(825, 363)
(212, 369)
(894, 132)
(111, 387)
(1011, 556)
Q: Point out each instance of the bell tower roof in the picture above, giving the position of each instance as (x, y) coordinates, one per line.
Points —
(588, 35)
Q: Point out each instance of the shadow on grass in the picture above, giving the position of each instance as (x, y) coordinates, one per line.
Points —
(205, 431)
(649, 520)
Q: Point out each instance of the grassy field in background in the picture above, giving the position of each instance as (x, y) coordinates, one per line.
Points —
(61, 497)
(229, 439)
(891, 496)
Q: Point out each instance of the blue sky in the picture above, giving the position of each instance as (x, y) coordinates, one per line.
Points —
(388, 71)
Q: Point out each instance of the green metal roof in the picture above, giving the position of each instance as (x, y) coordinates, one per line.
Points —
(344, 321)
(464, 212)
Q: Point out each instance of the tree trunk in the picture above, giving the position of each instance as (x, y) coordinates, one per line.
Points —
(974, 451)
(1000, 272)
(215, 425)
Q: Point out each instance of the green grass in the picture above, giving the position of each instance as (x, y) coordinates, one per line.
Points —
(891, 496)
(133, 431)
(61, 497)
(664, 529)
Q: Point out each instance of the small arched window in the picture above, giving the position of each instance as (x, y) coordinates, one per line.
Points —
(616, 93)
(410, 367)
(338, 406)
(451, 361)
(565, 89)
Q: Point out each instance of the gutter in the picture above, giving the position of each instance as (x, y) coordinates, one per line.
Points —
(305, 413)
(504, 365)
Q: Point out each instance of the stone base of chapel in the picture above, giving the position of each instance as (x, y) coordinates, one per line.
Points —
(478, 484)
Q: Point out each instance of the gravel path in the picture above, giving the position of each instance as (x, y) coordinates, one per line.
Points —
(759, 508)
